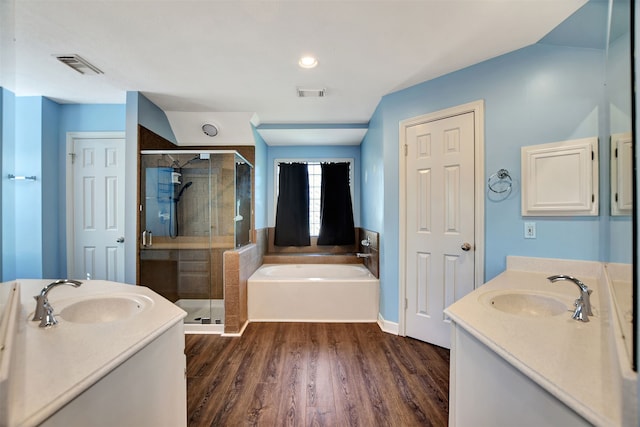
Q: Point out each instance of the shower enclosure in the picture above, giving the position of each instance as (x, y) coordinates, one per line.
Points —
(194, 206)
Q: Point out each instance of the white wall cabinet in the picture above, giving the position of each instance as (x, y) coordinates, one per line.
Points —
(560, 178)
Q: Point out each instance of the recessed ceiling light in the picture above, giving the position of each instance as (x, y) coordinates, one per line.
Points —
(308, 62)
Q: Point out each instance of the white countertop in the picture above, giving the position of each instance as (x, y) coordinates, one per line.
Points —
(572, 360)
(51, 366)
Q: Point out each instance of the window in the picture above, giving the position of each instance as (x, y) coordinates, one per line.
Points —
(315, 177)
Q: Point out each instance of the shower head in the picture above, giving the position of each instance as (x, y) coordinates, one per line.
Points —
(174, 162)
(191, 160)
(187, 185)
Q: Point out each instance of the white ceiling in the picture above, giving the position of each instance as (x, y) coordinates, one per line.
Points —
(241, 56)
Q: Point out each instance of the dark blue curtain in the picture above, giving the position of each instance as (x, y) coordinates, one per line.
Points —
(336, 210)
(292, 210)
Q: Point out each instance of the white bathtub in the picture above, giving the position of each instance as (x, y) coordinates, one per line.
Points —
(313, 293)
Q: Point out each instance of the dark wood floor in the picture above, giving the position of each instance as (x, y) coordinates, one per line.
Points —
(315, 374)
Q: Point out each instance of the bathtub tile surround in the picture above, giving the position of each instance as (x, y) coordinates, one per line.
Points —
(261, 240)
(313, 248)
(314, 254)
(233, 301)
(238, 266)
(311, 258)
(373, 238)
(569, 372)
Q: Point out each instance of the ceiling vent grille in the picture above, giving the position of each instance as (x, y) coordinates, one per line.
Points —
(79, 64)
(310, 93)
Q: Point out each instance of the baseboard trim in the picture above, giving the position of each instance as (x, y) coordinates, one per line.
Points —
(237, 334)
(387, 326)
(198, 328)
(191, 328)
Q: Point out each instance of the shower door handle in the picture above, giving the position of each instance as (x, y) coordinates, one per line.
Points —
(147, 238)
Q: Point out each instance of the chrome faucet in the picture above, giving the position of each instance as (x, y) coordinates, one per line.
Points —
(583, 303)
(44, 311)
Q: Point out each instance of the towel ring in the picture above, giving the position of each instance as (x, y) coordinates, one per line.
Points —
(500, 182)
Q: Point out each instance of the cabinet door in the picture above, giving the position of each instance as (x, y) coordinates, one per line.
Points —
(486, 390)
(560, 178)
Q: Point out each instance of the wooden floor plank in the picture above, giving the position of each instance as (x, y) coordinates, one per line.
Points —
(315, 374)
(319, 383)
(291, 391)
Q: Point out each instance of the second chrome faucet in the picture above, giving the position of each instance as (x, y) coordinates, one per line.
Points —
(583, 303)
(44, 311)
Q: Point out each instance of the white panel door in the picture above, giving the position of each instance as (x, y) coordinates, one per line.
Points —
(440, 223)
(98, 209)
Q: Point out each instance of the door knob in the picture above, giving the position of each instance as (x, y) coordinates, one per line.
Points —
(120, 240)
(465, 246)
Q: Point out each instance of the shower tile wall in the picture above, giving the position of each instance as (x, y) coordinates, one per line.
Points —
(155, 268)
(193, 274)
(239, 265)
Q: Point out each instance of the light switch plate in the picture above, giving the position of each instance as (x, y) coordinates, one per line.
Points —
(529, 230)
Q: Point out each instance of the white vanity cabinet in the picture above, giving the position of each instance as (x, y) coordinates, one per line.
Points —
(115, 358)
(486, 390)
(529, 363)
(149, 389)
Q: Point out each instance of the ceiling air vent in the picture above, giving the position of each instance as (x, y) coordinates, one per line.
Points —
(79, 64)
(310, 93)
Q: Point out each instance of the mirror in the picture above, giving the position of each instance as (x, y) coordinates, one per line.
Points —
(618, 218)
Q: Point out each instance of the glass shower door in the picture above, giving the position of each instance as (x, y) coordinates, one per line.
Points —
(177, 215)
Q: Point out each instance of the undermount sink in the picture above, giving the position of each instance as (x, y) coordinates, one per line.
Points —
(526, 304)
(104, 309)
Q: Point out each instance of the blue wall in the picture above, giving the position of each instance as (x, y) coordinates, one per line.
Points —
(154, 119)
(52, 178)
(28, 194)
(372, 174)
(261, 181)
(311, 153)
(2, 127)
(535, 95)
(8, 187)
(34, 213)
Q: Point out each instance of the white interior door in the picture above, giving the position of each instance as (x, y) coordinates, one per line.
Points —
(440, 223)
(96, 207)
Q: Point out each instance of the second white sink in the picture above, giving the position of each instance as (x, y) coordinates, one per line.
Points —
(525, 304)
(105, 308)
